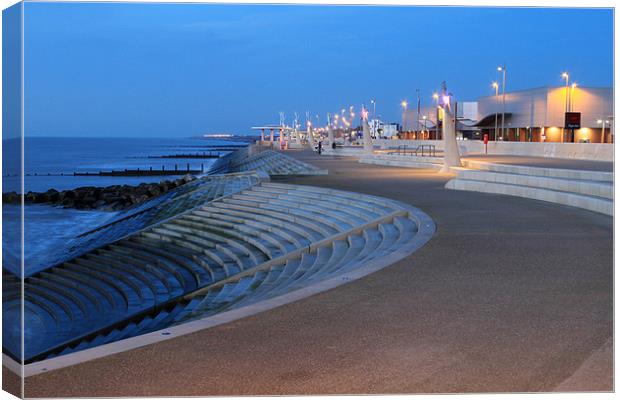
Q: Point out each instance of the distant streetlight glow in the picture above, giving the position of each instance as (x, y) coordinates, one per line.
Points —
(364, 114)
(404, 106)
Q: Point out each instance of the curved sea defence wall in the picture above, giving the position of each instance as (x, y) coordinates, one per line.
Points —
(576, 151)
(227, 242)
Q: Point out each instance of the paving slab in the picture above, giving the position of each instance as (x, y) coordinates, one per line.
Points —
(511, 295)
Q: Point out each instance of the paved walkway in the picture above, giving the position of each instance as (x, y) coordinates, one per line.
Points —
(511, 295)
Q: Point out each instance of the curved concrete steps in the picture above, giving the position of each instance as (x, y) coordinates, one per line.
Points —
(590, 190)
(247, 247)
(179, 200)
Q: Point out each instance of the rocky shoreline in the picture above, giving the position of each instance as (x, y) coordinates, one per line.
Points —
(109, 198)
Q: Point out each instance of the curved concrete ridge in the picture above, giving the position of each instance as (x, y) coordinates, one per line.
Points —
(590, 190)
(275, 163)
(397, 250)
(590, 203)
(583, 187)
(539, 171)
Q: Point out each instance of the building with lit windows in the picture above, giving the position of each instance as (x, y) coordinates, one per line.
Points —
(531, 115)
(538, 115)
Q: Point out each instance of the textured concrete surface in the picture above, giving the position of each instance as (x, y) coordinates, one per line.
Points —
(11, 382)
(510, 295)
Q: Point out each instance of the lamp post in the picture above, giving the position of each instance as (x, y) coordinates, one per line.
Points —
(374, 108)
(496, 87)
(403, 104)
(565, 76)
(502, 69)
(417, 117)
(603, 122)
(436, 98)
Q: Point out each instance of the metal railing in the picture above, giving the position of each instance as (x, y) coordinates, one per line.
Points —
(423, 150)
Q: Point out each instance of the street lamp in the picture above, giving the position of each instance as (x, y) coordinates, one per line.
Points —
(374, 108)
(436, 98)
(495, 86)
(565, 76)
(403, 104)
(502, 69)
(603, 122)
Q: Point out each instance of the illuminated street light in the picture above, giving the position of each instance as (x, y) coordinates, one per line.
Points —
(502, 69)
(495, 86)
(374, 108)
(572, 96)
(403, 104)
(436, 98)
(565, 76)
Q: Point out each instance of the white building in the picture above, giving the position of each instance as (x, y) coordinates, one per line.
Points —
(382, 130)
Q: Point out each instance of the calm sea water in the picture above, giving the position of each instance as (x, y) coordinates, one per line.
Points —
(67, 155)
(47, 227)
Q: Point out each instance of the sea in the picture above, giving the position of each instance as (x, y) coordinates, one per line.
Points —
(45, 158)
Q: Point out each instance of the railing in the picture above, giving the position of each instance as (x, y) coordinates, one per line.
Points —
(430, 147)
(418, 151)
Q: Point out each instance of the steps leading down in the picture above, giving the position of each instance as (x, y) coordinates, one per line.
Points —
(238, 250)
(590, 190)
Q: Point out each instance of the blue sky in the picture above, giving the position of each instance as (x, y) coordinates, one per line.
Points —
(114, 69)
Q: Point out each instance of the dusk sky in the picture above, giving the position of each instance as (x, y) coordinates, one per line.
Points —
(178, 70)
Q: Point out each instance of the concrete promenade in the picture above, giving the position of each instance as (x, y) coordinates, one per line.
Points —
(511, 295)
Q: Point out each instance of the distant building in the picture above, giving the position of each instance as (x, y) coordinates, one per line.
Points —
(537, 115)
(382, 130)
(531, 115)
(426, 121)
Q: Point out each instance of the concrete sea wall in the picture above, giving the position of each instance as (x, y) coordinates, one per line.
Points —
(578, 151)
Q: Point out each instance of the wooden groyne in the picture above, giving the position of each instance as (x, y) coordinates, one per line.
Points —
(204, 154)
(146, 172)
